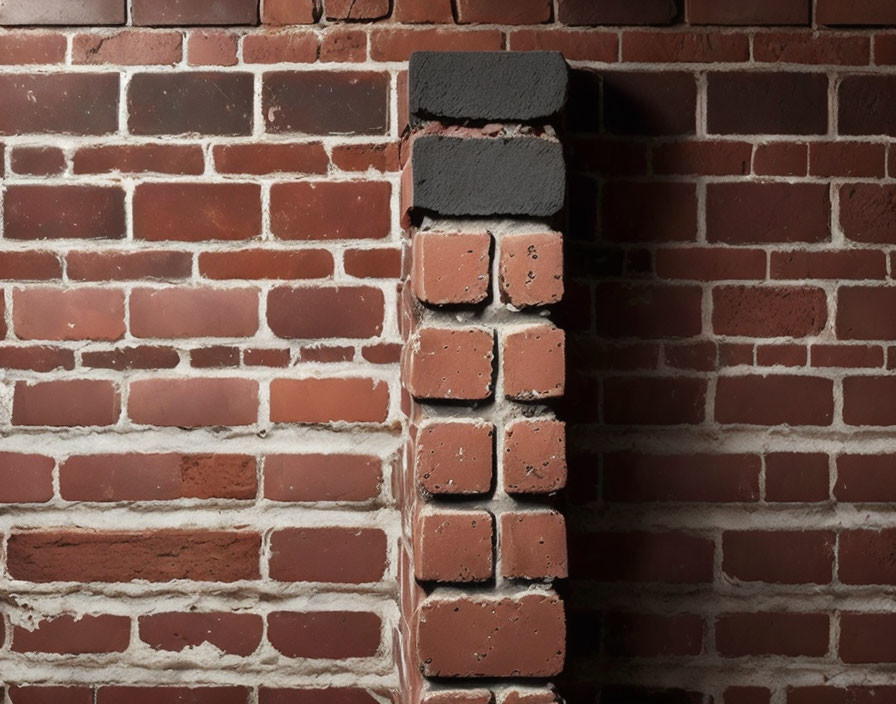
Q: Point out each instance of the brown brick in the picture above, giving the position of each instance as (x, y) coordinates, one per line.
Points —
(379, 263)
(285, 12)
(315, 102)
(758, 12)
(190, 102)
(63, 212)
(316, 477)
(534, 362)
(232, 633)
(576, 45)
(193, 403)
(796, 477)
(857, 12)
(331, 555)
(62, 12)
(450, 364)
(78, 402)
(68, 635)
(331, 635)
(649, 211)
(451, 268)
(68, 314)
(356, 10)
(156, 556)
(534, 456)
(181, 312)
(124, 266)
(455, 457)
(454, 546)
(868, 213)
(194, 12)
(25, 478)
(788, 634)
(589, 12)
(512, 12)
(840, 264)
(262, 159)
(30, 48)
(531, 269)
(197, 211)
(774, 400)
(212, 48)
(763, 311)
(295, 47)
(767, 556)
(37, 161)
(354, 400)
(647, 103)
(267, 264)
(318, 210)
(30, 266)
(533, 545)
(128, 48)
(689, 47)
(643, 400)
(865, 557)
(139, 158)
(397, 44)
(54, 103)
(318, 312)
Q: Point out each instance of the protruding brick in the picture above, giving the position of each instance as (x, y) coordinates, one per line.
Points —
(62, 12)
(534, 457)
(531, 269)
(332, 635)
(176, 13)
(533, 545)
(534, 363)
(332, 555)
(487, 176)
(455, 457)
(451, 268)
(450, 363)
(193, 402)
(476, 637)
(231, 633)
(498, 86)
(454, 546)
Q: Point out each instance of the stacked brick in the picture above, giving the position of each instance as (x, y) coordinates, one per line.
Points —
(481, 365)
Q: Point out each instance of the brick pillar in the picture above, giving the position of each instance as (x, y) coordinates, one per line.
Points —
(483, 181)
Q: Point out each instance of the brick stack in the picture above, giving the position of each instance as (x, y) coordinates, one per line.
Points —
(481, 364)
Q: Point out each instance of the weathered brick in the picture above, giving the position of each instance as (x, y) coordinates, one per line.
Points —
(68, 635)
(533, 545)
(232, 633)
(128, 48)
(53, 103)
(32, 48)
(534, 362)
(451, 267)
(454, 546)
(455, 457)
(534, 456)
(450, 364)
(531, 269)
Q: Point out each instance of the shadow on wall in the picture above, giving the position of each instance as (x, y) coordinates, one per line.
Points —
(634, 633)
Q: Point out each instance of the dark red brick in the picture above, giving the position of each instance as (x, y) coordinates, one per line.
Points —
(654, 401)
(176, 13)
(197, 211)
(653, 635)
(804, 47)
(868, 213)
(867, 104)
(63, 212)
(54, 103)
(232, 633)
(789, 634)
(317, 210)
(855, 12)
(332, 635)
(37, 161)
(309, 313)
(774, 400)
(768, 556)
(866, 557)
(796, 477)
(756, 12)
(332, 555)
(866, 400)
(590, 12)
(648, 310)
(649, 211)
(763, 311)
(62, 12)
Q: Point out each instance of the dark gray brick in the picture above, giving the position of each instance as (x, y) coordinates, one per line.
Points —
(509, 86)
(488, 176)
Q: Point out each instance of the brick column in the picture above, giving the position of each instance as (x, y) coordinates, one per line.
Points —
(483, 180)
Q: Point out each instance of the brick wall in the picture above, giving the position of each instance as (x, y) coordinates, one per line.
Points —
(201, 410)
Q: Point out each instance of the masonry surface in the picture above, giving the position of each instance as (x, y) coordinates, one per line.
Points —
(205, 484)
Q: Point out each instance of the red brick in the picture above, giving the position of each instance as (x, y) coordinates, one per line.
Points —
(740, 213)
(716, 478)
(811, 48)
(653, 212)
(386, 353)
(262, 159)
(329, 695)
(868, 213)
(533, 545)
(866, 402)
(216, 357)
(37, 161)
(331, 211)
(654, 400)
(534, 457)
(343, 44)
(266, 264)
(531, 269)
(768, 312)
(767, 103)
(704, 157)
(179, 12)
(69, 635)
(172, 695)
(328, 354)
(866, 104)
(697, 356)
(266, 357)
(781, 355)
(774, 400)
(25, 478)
(576, 45)
(857, 12)
(307, 478)
(30, 265)
(424, 11)
(212, 48)
(331, 555)
(843, 159)
(63, 12)
(839, 265)
(865, 478)
(361, 157)
(534, 363)
(673, 558)
(132, 358)
(451, 268)
(450, 363)
(885, 49)
(862, 313)
(356, 10)
(204, 102)
(68, 314)
(788, 634)
(155, 556)
(781, 159)
(710, 264)
(320, 102)
(32, 48)
(140, 158)
(66, 403)
(758, 12)
(867, 638)
(280, 48)
(332, 635)
(193, 212)
(454, 546)
(63, 212)
(284, 12)
(647, 103)
(193, 312)
(51, 695)
(53, 103)
(768, 556)
(522, 636)
(588, 12)
(512, 12)
(232, 633)
(747, 695)
(398, 44)
(157, 477)
(455, 457)
(652, 635)
(193, 402)
(380, 263)
(318, 312)
(124, 266)
(128, 48)
(687, 47)
(354, 400)
(865, 557)
(853, 356)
